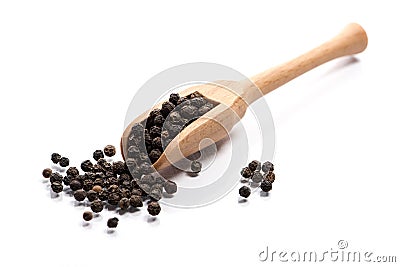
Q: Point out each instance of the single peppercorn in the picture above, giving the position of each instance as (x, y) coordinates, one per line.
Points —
(170, 187)
(57, 187)
(103, 195)
(155, 131)
(245, 191)
(119, 167)
(266, 186)
(153, 208)
(56, 177)
(156, 143)
(257, 177)
(55, 158)
(166, 108)
(75, 184)
(87, 216)
(47, 173)
(124, 203)
(255, 165)
(173, 98)
(91, 195)
(87, 184)
(136, 192)
(113, 199)
(67, 179)
(64, 162)
(112, 222)
(270, 177)
(159, 120)
(87, 166)
(246, 172)
(154, 155)
(98, 154)
(267, 167)
(136, 201)
(195, 166)
(109, 150)
(73, 171)
(96, 188)
(97, 206)
(80, 195)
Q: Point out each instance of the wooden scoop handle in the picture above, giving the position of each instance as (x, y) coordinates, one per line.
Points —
(351, 40)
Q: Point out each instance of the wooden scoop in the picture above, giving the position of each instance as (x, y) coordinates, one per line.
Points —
(234, 97)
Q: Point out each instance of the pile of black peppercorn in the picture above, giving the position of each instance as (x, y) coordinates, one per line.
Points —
(259, 174)
(130, 183)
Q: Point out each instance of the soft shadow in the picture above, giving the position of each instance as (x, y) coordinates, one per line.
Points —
(264, 194)
(165, 195)
(111, 232)
(86, 225)
(254, 185)
(133, 210)
(45, 181)
(341, 64)
(152, 220)
(54, 195)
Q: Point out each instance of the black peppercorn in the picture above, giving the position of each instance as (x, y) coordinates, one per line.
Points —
(257, 177)
(98, 154)
(173, 98)
(166, 108)
(246, 172)
(64, 162)
(159, 120)
(136, 192)
(245, 191)
(67, 179)
(75, 184)
(57, 187)
(153, 208)
(270, 177)
(155, 131)
(136, 201)
(266, 186)
(119, 167)
(195, 166)
(91, 195)
(267, 167)
(87, 166)
(170, 187)
(47, 173)
(154, 155)
(56, 177)
(87, 184)
(55, 158)
(124, 203)
(87, 216)
(113, 199)
(80, 195)
(73, 171)
(255, 165)
(181, 100)
(112, 222)
(156, 143)
(103, 195)
(109, 150)
(96, 206)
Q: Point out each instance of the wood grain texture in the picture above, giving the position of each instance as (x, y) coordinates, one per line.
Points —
(235, 96)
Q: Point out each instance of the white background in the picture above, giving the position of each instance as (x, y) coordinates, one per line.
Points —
(68, 70)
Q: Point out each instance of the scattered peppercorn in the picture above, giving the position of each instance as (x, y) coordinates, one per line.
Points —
(246, 172)
(98, 154)
(87, 216)
(136, 201)
(153, 208)
(57, 187)
(109, 150)
(97, 188)
(56, 177)
(87, 166)
(112, 222)
(257, 177)
(91, 195)
(96, 206)
(64, 162)
(47, 172)
(170, 187)
(267, 167)
(255, 165)
(55, 158)
(124, 203)
(245, 191)
(266, 186)
(75, 184)
(80, 195)
(270, 177)
(73, 171)
(195, 166)
(173, 98)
